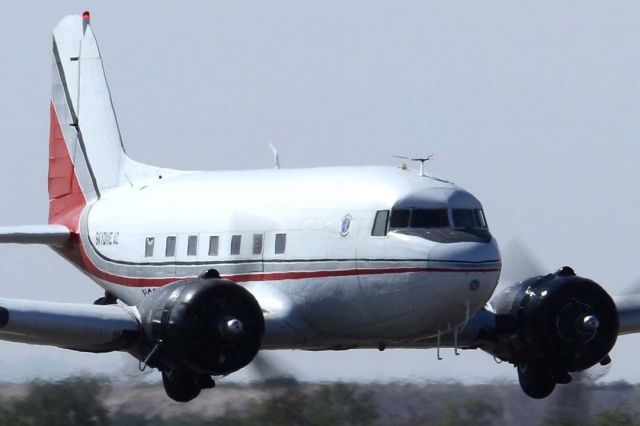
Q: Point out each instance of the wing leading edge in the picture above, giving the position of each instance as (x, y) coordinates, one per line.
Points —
(628, 313)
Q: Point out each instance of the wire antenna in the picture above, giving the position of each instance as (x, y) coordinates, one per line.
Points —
(421, 160)
(276, 157)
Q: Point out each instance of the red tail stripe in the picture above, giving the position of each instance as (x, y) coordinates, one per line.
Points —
(66, 199)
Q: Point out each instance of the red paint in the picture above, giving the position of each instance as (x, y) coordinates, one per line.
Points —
(116, 279)
(277, 276)
(265, 276)
(66, 199)
(66, 202)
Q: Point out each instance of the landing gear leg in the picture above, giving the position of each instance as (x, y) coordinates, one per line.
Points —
(536, 380)
(183, 387)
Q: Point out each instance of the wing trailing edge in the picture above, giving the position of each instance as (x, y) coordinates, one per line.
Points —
(51, 235)
(81, 327)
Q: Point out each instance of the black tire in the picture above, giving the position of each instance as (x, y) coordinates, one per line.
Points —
(179, 386)
(107, 299)
(536, 380)
(102, 301)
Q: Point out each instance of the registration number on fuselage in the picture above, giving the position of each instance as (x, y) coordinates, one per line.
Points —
(107, 238)
(148, 290)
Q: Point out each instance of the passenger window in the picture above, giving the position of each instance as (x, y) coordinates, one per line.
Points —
(380, 223)
(235, 244)
(214, 242)
(170, 248)
(429, 218)
(257, 243)
(281, 243)
(399, 219)
(464, 218)
(148, 246)
(192, 245)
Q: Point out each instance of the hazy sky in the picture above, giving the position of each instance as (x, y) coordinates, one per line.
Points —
(534, 108)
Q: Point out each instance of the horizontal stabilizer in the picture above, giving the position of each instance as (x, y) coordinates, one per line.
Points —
(52, 235)
(82, 327)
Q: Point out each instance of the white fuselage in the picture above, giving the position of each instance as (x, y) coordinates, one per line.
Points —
(301, 241)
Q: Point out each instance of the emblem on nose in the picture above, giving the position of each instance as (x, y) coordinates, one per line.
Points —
(346, 225)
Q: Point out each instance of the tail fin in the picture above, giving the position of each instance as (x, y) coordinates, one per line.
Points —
(81, 111)
(86, 154)
(82, 103)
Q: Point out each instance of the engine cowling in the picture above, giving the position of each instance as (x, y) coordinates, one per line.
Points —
(203, 326)
(560, 321)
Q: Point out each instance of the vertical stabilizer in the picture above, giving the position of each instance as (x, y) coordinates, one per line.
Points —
(86, 154)
(82, 104)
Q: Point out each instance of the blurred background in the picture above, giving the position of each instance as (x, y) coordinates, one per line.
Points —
(532, 107)
(98, 401)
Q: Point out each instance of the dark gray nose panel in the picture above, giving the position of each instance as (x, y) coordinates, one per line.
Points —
(4, 317)
(449, 235)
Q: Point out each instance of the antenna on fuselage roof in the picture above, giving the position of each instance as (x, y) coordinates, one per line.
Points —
(421, 160)
(276, 157)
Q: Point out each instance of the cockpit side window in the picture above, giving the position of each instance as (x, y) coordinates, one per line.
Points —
(380, 223)
(429, 218)
(481, 220)
(399, 218)
(468, 218)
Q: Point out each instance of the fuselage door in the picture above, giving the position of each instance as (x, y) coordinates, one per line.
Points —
(257, 251)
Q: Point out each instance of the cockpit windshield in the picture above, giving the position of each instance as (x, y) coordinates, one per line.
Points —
(436, 224)
(469, 219)
(429, 218)
(419, 218)
(399, 218)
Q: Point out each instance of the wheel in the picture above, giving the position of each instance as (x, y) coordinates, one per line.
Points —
(536, 380)
(107, 299)
(179, 386)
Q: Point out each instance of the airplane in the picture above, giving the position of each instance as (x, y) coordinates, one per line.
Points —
(202, 270)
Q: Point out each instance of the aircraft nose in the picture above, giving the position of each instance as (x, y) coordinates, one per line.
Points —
(466, 273)
(460, 254)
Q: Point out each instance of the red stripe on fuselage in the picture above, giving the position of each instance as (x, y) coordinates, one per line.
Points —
(266, 276)
(278, 276)
(67, 202)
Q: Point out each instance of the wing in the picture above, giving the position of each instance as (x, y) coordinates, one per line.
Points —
(628, 313)
(81, 327)
(95, 328)
(35, 234)
(285, 327)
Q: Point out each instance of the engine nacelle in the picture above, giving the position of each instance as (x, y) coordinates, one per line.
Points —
(204, 326)
(560, 321)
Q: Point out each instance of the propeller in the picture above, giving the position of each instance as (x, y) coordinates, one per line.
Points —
(595, 373)
(130, 368)
(266, 367)
(519, 263)
(633, 288)
(575, 400)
